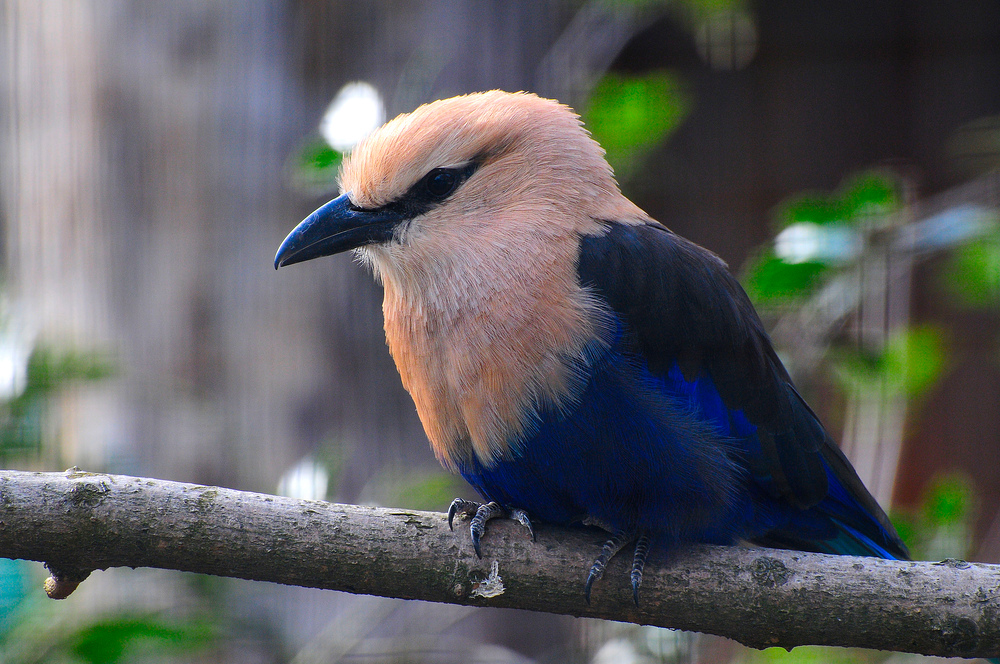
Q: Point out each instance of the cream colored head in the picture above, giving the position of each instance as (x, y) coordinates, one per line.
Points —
(532, 151)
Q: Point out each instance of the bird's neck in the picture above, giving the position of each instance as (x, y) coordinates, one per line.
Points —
(484, 337)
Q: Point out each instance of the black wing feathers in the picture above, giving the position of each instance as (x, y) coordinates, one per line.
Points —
(680, 304)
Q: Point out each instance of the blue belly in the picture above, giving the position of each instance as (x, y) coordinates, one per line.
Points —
(636, 452)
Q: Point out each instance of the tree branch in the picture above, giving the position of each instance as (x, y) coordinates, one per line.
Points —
(77, 522)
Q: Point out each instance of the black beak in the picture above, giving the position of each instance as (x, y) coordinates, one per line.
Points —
(336, 227)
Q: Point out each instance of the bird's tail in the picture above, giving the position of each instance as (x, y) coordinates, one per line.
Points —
(847, 521)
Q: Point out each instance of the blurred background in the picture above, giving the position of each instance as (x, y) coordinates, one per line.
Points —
(839, 155)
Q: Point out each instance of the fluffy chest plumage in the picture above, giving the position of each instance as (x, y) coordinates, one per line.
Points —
(483, 339)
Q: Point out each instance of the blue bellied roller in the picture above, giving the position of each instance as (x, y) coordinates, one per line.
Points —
(572, 358)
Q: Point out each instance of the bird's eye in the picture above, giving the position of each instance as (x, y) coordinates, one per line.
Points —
(441, 182)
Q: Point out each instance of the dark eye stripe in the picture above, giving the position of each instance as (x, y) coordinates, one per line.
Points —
(431, 190)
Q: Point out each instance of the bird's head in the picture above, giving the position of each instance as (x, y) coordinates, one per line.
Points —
(477, 166)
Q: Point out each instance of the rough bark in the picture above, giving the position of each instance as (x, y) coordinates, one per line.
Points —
(77, 522)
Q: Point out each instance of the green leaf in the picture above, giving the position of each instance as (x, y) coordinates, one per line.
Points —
(948, 501)
(973, 272)
(630, 115)
(918, 355)
(861, 196)
(49, 370)
(911, 362)
(314, 165)
(771, 281)
(810, 208)
(107, 641)
(869, 193)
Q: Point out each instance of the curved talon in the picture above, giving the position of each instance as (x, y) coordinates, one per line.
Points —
(484, 513)
(481, 513)
(611, 547)
(595, 574)
(522, 518)
(461, 506)
(638, 563)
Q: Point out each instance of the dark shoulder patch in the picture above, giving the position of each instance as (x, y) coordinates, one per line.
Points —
(680, 305)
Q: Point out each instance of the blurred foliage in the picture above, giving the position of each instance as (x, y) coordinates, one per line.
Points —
(948, 501)
(865, 198)
(48, 371)
(118, 638)
(870, 193)
(777, 278)
(771, 281)
(421, 489)
(859, 197)
(909, 364)
(912, 359)
(809, 655)
(941, 527)
(313, 166)
(711, 6)
(109, 639)
(972, 273)
(629, 115)
(198, 624)
(434, 491)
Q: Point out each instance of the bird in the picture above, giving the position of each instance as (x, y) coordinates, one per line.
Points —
(572, 358)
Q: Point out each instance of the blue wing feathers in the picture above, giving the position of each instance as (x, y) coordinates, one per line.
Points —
(627, 450)
(688, 424)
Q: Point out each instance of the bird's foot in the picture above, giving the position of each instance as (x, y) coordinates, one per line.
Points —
(638, 563)
(615, 544)
(481, 513)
